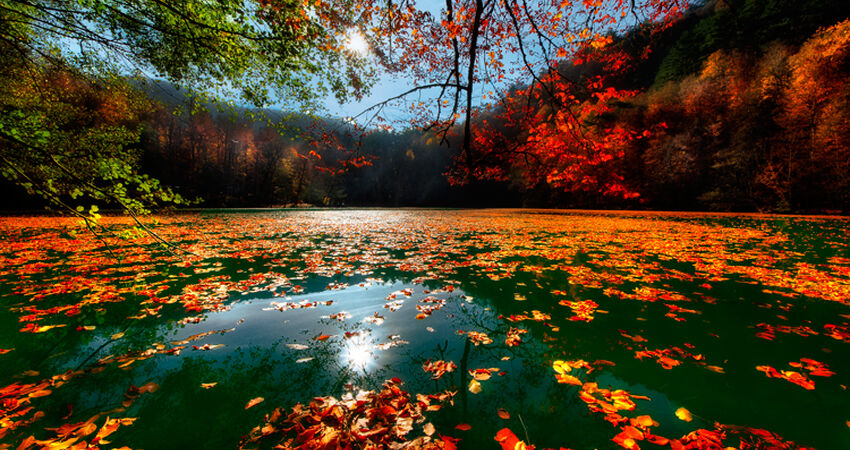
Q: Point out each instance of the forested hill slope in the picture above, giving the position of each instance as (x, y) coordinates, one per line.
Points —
(745, 105)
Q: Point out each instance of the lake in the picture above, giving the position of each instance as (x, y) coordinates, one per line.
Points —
(573, 329)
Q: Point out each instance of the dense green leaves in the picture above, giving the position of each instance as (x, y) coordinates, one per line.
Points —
(72, 142)
(70, 120)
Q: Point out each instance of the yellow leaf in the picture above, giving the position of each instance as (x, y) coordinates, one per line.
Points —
(474, 386)
(109, 427)
(86, 429)
(568, 379)
(684, 414)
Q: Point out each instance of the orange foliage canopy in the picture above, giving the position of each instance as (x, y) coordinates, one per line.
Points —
(468, 60)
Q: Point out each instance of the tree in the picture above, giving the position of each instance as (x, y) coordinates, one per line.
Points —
(69, 116)
(472, 55)
(815, 114)
(68, 139)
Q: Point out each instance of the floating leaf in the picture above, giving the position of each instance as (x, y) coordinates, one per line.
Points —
(503, 413)
(438, 368)
(148, 388)
(254, 402)
(463, 427)
(474, 386)
(508, 440)
(297, 346)
(481, 374)
(684, 414)
(209, 385)
(206, 347)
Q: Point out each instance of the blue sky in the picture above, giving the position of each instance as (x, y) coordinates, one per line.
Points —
(387, 85)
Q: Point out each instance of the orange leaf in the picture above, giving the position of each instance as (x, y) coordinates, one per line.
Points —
(449, 443)
(463, 427)
(503, 413)
(148, 388)
(86, 429)
(568, 379)
(40, 393)
(508, 440)
(254, 402)
(684, 414)
(643, 421)
(657, 440)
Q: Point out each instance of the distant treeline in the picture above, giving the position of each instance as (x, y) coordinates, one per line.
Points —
(234, 160)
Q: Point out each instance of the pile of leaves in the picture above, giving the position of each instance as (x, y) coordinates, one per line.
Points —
(363, 421)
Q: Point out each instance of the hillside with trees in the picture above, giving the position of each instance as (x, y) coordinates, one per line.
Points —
(738, 106)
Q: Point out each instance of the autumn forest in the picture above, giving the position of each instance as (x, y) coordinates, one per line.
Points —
(424, 224)
(734, 106)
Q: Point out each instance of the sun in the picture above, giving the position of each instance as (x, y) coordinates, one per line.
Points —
(357, 353)
(357, 43)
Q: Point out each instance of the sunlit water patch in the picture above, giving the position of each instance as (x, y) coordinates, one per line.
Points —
(582, 330)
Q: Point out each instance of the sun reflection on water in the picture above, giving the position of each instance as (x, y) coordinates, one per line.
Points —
(358, 352)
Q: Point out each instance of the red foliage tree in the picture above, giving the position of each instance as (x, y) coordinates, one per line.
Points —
(551, 129)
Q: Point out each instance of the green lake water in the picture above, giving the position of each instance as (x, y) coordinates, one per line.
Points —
(687, 308)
